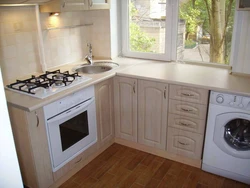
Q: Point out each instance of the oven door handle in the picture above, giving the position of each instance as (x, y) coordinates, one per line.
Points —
(71, 111)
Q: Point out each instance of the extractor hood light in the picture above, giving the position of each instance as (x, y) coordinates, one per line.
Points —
(54, 14)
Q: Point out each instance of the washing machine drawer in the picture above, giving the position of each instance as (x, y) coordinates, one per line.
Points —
(184, 143)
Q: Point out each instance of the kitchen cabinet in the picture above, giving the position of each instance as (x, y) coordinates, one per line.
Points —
(74, 5)
(32, 147)
(98, 4)
(63, 6)
(105, 111)
(152, 113)
(187, 119)
(125, 101)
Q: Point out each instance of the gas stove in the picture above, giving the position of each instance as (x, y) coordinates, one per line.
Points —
(47, 84)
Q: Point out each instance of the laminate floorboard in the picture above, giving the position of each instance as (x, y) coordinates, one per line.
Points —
(124, 167)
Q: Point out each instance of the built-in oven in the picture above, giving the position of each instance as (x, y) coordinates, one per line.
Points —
(71, 126)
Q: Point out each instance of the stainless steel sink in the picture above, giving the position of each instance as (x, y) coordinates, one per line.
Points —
(97, 67)
(92, 69)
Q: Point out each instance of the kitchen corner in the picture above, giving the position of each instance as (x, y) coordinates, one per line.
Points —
(156, 107)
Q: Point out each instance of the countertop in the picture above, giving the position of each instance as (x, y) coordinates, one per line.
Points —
(218, 79)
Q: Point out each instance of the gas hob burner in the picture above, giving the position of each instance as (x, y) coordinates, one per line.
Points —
(58, 76)
(47, 84)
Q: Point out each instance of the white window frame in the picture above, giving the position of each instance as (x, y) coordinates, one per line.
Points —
(170, 34)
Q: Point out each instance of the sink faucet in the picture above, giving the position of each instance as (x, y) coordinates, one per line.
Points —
(89, 56)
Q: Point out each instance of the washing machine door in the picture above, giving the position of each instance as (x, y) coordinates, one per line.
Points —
(237, 134)
(232, 134)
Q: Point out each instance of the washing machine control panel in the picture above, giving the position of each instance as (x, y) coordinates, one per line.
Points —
(226, 99)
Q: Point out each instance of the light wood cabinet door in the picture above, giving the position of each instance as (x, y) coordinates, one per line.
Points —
(104, 111)
(152, 113)
(125, 95)
(32, 147)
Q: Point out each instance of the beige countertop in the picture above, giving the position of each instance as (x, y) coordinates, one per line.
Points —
(210, 78)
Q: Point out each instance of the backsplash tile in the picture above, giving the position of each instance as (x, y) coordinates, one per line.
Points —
(18, 42)
(19, 54)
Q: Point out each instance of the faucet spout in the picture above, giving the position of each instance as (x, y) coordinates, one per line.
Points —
(89, 57)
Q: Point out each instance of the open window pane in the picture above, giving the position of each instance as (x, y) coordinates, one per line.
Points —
(205, 30)
(147, 26)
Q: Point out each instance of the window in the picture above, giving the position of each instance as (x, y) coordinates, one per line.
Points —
(208, 30)
(184, 30)
(148, 27)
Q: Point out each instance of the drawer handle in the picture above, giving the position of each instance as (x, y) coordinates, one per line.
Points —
(185, 124)
(78, 160)
(186, 110)
(184, 144)
(187, 94)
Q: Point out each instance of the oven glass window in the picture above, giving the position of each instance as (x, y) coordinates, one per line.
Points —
(237, 134)
(74, 130)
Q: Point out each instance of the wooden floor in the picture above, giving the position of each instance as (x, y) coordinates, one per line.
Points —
(120, 166)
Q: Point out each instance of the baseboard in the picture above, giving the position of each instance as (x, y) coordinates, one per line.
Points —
(161, 153)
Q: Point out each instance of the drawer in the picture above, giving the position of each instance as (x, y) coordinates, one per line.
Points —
(188, 94)
(188, 109)
(186, 123)
(184, 143)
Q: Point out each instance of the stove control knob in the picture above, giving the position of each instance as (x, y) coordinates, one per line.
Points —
(219, 99)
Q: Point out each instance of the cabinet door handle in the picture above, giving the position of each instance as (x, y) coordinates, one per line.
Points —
(37, 120)
(184, 144)
(78, 160)
(134, 87)
(165, 95)
(185, 124)
(186, 110)
(187, 94)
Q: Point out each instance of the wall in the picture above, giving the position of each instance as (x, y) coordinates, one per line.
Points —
(63, 46)
(18, 42)
(100, 32)
(19, 55)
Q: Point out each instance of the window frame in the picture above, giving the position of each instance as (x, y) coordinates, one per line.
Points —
(171, 24)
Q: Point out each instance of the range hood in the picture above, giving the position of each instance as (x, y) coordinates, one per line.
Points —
(13, 2)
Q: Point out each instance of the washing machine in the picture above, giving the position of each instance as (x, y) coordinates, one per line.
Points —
(227, 141)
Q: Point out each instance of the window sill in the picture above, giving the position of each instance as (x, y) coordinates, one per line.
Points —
(206, 64)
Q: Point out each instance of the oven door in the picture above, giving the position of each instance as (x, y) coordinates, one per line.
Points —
(72, 132)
